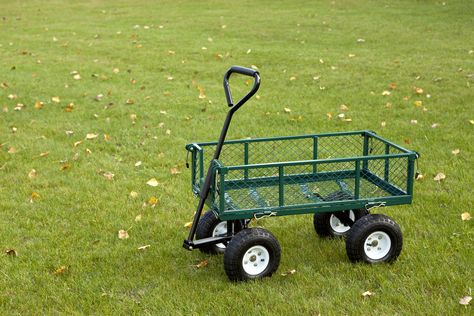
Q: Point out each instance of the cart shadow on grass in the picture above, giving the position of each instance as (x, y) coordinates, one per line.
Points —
(338, 177)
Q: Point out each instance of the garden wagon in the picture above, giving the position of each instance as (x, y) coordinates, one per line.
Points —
(338, 177)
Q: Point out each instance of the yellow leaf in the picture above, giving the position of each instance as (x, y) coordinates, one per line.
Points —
(471, 121)
(107, 137)
(55, 99)
(60, 270)
(152, 201)
(138, 218)
(152, 182)
(287, 110)
(32, 174)
(12, 96)
(289, 272)
(386, 92)
(115, 70)
(34, 196)
(144, 247)
(466, 216)
(133, 117)
(202, 93)
(88, 151)
(45, 154)
(168, 132)
(130, 101)
(138, 164)
(188, 225)
(439, 177)
(419, 176)
(456, 151)
(292, 78)
(392, 86)
(383, 124)
(77, 143)
(329, 115)
(39, 105)
(343, 107)
(202, 264)
(77, 77)
(91, 136)
(418, 90)
(12, 150)
(133, 194)
(123, 234)
(418, 103)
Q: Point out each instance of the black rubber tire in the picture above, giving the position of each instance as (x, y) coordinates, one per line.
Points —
(243, 242)
(207, 224)
(322, 223)
(373, 223)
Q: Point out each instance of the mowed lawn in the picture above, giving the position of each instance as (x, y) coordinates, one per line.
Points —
(97, 98)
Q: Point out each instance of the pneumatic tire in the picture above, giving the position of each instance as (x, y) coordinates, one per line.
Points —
(328, 225)
(374, 238)
(253, 253)
(210, 226)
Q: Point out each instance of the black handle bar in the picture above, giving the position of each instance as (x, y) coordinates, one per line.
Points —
(243, 71)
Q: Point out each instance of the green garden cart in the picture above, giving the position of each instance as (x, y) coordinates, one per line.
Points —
(338, 177)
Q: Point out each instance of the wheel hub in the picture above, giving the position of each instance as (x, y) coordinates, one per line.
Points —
(255, 260)
(377, 245)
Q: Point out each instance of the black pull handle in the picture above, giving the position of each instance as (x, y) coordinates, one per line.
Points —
(243, 71)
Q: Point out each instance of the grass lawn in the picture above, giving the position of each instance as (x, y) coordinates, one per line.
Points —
(99, 97)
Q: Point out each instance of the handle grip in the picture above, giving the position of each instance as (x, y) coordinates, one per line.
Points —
(246, 72)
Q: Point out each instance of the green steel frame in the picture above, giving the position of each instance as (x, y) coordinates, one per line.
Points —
(357, 170)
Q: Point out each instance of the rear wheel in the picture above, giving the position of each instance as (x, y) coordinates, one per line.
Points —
(375, 238)
(253, 253)
(210, 226)
(328, 225)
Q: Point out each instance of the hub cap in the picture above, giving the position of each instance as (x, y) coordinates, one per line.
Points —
(255, 260)
(220, 230)
(377, 245)
(338, 226)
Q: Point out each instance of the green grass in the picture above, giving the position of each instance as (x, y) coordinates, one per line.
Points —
(75, 220)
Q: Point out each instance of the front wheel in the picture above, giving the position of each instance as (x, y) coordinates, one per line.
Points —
(211, 226)
(374, 238)
(253, 253)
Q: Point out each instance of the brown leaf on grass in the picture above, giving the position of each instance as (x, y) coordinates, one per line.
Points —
(439, 177)
(130, 101)
(39, 105)
(466, 300)
(108, 175)
(60, 270)
(392, 85)
(329, 115)
(123, 234)
(4, 85)
(202, 92)
(466, 216)
(418, 90)
(202, 264)
(142, 248)
(289, 272)
(174, 171)
(343, 107)
(69, 107)
(32, 174)
(65, 166)
(12, 150)
(11, 252)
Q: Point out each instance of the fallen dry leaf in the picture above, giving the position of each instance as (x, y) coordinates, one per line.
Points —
(456, 151)
(138, 164)
(344, 107)
(144, 247)
(471, 121)
(418, 103)
(168, 132)
(152, 182)
(60, 270)
(133, 194)
(174, 171)
(418, 90)
(202, 264)
(32, 174)
(367, 294)
(34, 196)
(329, 115)
(152, 201)
(138, 218)
(12, 150)
(77, 143)
(466, 216)
(123, 234)
(108, 175)
(289, 272)
(56, 99)
(91, 136)
(65, 166)
(439, 177)
(11, 252)
(45, 154)
(287, 110)
(188, 225)
(39, 105)
(466, 300)
(419, 176)
(386, 92)
(69, 107)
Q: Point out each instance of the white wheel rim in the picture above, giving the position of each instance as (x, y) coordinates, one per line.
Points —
(220, 230)
(337, 226)
(255, 260)
(377, 245)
